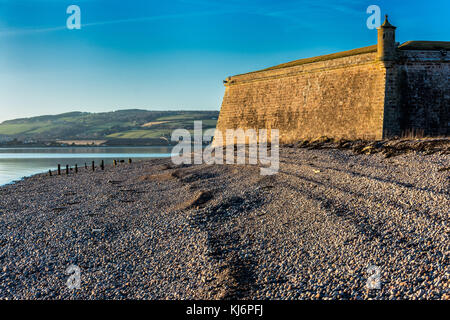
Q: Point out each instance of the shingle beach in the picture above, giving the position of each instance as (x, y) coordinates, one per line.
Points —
(153, 230)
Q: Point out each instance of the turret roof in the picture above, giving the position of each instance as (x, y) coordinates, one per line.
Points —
(387, 24)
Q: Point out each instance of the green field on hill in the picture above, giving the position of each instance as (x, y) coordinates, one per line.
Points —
(123, 124)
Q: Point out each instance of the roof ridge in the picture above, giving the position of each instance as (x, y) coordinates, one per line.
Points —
(425, 45)
(331, 56)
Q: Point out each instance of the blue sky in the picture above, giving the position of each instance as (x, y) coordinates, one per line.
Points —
(174, 54)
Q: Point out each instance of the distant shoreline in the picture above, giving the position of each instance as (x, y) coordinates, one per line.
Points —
(19, 162)
(44, 145)
(84, 146)
(119, 128)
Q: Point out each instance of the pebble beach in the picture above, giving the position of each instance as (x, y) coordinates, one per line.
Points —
(153, 230)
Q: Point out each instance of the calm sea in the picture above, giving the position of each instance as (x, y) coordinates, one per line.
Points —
(16, 163)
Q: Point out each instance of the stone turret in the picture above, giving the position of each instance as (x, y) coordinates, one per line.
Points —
(387, 46)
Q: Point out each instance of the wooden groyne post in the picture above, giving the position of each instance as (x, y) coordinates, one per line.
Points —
(102, 166)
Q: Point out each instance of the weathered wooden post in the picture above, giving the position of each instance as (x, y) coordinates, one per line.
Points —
(76, 168)
(59, 169)
(93, 165)
(67, 169)
(85, 165)
(102, 165)
(50, 172)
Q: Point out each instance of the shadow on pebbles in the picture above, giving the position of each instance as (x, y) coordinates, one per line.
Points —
(153, 230)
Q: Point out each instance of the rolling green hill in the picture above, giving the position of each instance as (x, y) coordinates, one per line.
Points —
(123, 124)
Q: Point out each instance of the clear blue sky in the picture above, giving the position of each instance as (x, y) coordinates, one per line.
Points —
(174, 54)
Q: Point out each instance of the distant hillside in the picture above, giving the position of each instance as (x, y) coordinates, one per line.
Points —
(112, 126)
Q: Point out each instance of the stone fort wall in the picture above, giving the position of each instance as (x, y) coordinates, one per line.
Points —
(341, 98)
(424, 86)
(353, 97)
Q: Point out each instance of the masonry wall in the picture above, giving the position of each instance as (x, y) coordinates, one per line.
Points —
(425, 92)
(340, 98)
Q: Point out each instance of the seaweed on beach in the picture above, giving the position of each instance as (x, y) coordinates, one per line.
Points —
(389, 148)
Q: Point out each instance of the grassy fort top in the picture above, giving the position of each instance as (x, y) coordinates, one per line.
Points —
(332, 56)
(409, 45)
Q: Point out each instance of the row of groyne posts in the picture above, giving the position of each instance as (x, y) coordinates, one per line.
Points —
(102, 167)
